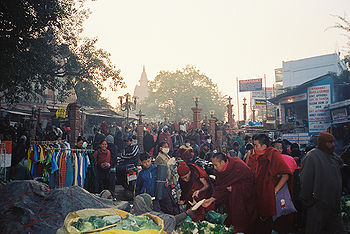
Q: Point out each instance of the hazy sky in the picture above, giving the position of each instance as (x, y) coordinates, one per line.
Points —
(223, 39)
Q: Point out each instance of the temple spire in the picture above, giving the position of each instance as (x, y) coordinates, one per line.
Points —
(142, 89)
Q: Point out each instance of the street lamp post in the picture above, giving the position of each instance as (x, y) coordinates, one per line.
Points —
(34, 121)
(196, 114)
(212, 112)
(229, 115)
(140, 115)
(196, 101)
(128, 105)
(140, 131)
(212, 125)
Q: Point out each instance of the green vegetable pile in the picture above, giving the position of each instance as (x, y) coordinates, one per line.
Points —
(137, 223)
(89, 224)
(217, 218)
(189, 227)
(130, 222)
(345, 208)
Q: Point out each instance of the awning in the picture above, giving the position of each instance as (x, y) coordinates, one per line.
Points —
(339, 104)
(299, 89)
(16, 112)
(341, 121)
(105, 116)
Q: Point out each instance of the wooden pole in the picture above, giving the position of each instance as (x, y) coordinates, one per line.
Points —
(265, 97)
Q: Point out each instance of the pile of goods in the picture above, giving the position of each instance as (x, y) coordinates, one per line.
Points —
(345, 210)
(110, 221)
(189, 227)
(130, 223)
(214, 217)
(29, 206)
(214, 224)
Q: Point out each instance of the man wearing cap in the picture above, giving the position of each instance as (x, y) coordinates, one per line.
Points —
(195, 186)
(321, 187)
(143, 204)
(131, 152)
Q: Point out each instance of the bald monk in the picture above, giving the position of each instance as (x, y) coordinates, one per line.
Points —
(235, 187)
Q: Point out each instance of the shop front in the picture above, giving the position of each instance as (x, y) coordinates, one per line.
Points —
(303, 109)
(340, 125)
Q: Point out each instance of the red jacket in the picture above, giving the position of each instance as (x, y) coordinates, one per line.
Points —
(194, 184)
(102, 156)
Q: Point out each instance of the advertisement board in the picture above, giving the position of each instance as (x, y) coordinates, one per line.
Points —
(278, 75)
(261, 104)
(5, 153)
(261, 94)
(318, 98)
(61, 113)
(339, 114)
(250, 85)
(300, 138)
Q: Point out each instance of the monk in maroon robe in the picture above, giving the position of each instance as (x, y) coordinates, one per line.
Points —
(195, 185)
(185, 152)
(235, 187)
(271, 172)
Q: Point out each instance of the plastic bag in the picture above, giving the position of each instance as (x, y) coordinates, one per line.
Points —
(284, 203)
(216, 218)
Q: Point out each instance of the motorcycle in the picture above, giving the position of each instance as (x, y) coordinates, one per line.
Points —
(126, 176)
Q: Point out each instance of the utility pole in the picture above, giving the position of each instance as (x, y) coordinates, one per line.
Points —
(265, 97)
(237, 84)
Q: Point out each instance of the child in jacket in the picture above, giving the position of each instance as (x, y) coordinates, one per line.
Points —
(146, 179)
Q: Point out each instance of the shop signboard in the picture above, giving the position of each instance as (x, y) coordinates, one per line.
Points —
(5, 153)
(61, 113)
(299, 138)
(261, 104)
(278, 75)
(250, 85)
(318, 98)
(261, 94)
(339, 114)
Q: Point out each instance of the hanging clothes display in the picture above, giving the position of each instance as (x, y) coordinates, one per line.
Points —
(58, 164)
(81, 164)
(91, 184)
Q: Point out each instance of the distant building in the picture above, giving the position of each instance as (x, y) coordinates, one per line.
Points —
(47, 102)
(300, 71)
(141, 90)
(278, 85)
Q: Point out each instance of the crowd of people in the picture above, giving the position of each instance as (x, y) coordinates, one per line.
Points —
(259, 182)
(250, 174)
